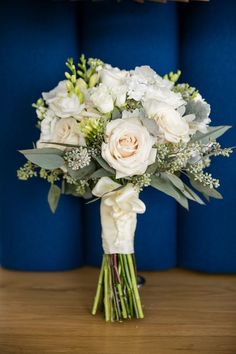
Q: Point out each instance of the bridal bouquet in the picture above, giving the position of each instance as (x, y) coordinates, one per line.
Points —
(108, 133)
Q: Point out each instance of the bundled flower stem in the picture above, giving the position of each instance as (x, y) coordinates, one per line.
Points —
(117, 284)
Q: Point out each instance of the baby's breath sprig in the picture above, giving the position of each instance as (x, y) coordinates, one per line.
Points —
(205, 178)
(26, 171)
(142, 181)
(82, 186)
(50, 176)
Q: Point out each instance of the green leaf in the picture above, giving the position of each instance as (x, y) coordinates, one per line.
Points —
(152, 168)
(104, 164)
(164, 185)
(205, 190)
(53, 197)
(101, 173)
(115, 113)
(61, 144)
(190, 194)
(48, 158)
(82, 172)
(212, 134)
(175, 180)
(183, 188)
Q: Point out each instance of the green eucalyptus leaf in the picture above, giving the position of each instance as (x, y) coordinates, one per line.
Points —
(82, 172)
(48, 158)
(61, 144)
(101, 173)
(175, 180)
(212, 134)
(104, 164)
(54, 197)
(190, 194)
(152, 168)
(115, 113)
(166, 186)
(205, 190)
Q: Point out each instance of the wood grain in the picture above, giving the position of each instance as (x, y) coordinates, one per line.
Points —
(185, 312)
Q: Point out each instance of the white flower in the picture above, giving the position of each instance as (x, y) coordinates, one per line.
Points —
(59, 90)
(164, 94)
(112, 77)
(198, 111)
(63, 105)
(145, 84)
(128, 147)
(47, 129)
(172, 126)
(61, 131)
(102, 99)
(119, 95)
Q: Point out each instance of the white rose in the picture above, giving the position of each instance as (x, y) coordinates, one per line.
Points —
(59, 90)
(102, 99)
(47, 129)
(65, 107)
(172, 126)
(112, 77)
(63, 131)
(61, 104)
(128, 147)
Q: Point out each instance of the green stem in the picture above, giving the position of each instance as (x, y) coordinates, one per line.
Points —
(106, 300)
(135, 287)
(99, 287)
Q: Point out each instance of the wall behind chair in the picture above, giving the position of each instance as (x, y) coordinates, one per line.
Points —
(36, 38)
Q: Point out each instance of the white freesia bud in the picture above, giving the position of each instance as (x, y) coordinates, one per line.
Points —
(128, 147)
(172, 126)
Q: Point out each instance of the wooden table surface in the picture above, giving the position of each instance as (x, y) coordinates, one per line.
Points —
(185, 312)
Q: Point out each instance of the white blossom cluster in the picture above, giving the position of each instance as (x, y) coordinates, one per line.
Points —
(122, 123)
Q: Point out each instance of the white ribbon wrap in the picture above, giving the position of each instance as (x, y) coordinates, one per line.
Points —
(119, 209)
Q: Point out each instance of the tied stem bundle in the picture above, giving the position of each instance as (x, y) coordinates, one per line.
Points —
(117, 287)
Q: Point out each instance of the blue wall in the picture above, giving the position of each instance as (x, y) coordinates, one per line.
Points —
(207, 235)
(36, 38)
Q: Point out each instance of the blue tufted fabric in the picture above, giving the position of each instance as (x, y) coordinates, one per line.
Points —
(36, 38)
(207, 235)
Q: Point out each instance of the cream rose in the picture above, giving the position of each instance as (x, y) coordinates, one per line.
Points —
(63, 132)
(128, 147)
(172, 126)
